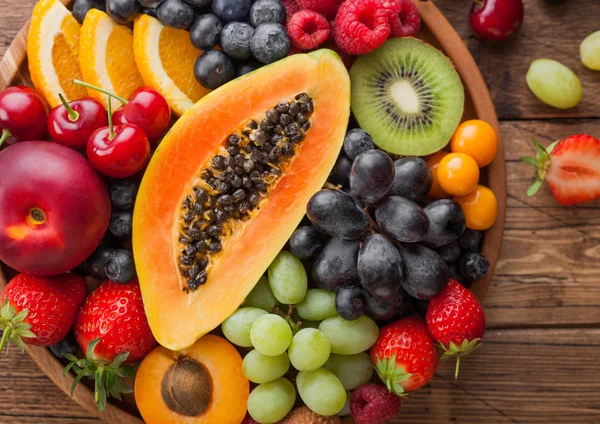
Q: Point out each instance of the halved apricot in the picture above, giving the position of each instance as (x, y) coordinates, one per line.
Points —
(203, 384)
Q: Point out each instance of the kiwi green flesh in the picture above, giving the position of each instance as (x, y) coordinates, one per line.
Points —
(408, 96)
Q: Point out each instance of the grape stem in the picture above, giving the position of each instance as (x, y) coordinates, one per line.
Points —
(73, 114)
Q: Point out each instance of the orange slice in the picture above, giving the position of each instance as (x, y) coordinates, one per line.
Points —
(165, 57)
(53, 52)
(106, 57)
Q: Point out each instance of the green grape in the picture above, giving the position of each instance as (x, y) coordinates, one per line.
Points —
(271, 335)
(261, 296)
(287, 278)
(590, 51)
(346, 409)
(260, 368)
(321, 391)
(554, 84)
(350, 337)
(352, 370)
(236, 328)
(270, 402)
(318, 305)
(309, 349)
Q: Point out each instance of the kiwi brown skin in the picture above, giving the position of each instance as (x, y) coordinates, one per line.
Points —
(408, 96)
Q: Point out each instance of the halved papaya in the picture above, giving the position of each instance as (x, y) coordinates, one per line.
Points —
(227, 187)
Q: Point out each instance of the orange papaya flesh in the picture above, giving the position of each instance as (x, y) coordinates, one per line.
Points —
(179, 312)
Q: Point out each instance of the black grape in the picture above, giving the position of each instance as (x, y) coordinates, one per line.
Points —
(372, 175)
(446, 222)
(379, 266)
(337, 214)
(412, 179)
(336, 265)
(425, 273)
(402, 219)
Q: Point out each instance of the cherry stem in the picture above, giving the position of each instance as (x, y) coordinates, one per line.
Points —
(111, 130)
(73, 114)
(5, 136)
(101, 90)
(478, 3)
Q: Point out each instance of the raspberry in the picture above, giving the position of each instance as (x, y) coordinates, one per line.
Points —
(308, 29)
(404, 18)
(327, 8)
(348, 59)
(373, 404)
(290, 8)
(361, 26)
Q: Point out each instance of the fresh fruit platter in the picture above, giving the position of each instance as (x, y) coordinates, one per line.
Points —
(237, 211)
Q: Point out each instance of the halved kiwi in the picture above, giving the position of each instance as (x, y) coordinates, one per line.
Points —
(408, 96)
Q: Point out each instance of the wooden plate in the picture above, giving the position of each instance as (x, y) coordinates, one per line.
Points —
(437, 31)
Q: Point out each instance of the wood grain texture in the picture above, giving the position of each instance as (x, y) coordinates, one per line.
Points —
(548, 31)
(548, 275)
(513, 378)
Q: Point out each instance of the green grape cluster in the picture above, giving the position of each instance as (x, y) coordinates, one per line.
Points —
(288, 325)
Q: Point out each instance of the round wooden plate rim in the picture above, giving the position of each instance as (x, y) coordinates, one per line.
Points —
(451, 44)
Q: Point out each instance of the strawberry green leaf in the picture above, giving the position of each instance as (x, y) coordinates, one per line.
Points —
(534, 188)
(529, 161)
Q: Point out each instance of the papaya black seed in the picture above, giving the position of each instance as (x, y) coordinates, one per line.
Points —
(285, 119)
(219, 162)
(272, 116)
(239, 171)
(294, 108)
(225, 199)
(254, 198)
(233, 140)
(239, 195)
(266, 148)
(266, 125)
(230, 209)
(223, 187)
(214, 247)
(252, 124)
(248, 165)
(282, 107)
(306, 126)
(214, 230)
(236, 182)
(297, 138)
(246, 182)
(243, 206)
(201, 247)
(203, 263)
(287, 149)
(302, 97)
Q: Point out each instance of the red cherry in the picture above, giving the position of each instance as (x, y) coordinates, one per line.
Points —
(147, 109)
(120, 152)
(496, 19)
(23, 115)
(72, 124)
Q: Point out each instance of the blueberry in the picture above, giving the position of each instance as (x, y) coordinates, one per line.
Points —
(453, 273)
(341, 170)
(95, 264)
(425, 273)
(198, 3)
(120, 267)
(235, 40)
(270, 43)
(306, 241)
(205, 31)
(231, 10)
(385, 309)
(472, 266)
(175, 14)
(123, 193)
(265, 11)
(68, 345)
(82, 7)
(350, 302)
(356, 142)
(213, 68)
(120, 224)
(446, 222)
(412, 179)
(471, 241)
(122, 11)
(449, 252)
(248, 66)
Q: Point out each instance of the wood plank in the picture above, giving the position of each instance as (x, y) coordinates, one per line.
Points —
(513, 378)
(549, 272)
(548, 31)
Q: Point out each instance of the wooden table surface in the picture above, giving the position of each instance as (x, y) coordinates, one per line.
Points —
(540, 359)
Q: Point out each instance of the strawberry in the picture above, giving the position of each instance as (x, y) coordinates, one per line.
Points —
(112, 329)
(571, 167)
(40, 311)
(404, 355)
(455, 319)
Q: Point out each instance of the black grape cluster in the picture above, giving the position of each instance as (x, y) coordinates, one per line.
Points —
(375, 237)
